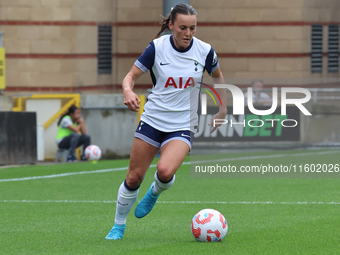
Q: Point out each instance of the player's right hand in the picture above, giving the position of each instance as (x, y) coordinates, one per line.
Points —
(132, 101)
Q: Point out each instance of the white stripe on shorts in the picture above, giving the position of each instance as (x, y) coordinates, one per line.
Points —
(177, 138)
(147, 139)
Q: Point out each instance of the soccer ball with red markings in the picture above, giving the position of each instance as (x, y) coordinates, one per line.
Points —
(209, 225)
(93, 152)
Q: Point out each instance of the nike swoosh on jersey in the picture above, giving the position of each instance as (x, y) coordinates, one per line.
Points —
(163, 64)
(185, 135)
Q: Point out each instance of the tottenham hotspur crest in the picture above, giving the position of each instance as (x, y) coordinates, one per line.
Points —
(196, 63)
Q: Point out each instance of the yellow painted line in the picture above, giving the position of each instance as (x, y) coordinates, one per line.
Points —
(60, 112)
(2, 69)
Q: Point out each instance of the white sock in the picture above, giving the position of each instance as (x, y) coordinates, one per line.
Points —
(125, 200)
(160, 186)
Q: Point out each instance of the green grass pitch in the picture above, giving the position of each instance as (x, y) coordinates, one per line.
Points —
(72, 214)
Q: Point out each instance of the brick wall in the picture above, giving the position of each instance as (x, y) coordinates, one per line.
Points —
(53, 43)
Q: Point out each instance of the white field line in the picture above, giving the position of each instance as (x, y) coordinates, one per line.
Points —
(62, 175)
(184, 163)
(173, 202)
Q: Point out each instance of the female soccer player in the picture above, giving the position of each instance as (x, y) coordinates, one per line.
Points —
(68, 138)
(170, 114)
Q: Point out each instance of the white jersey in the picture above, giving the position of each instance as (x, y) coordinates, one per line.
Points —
(262, 97)
(176, 75)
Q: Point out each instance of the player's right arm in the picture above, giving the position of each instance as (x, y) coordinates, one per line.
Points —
(130, 98)
(73, 128)
(142, 65)
(67, 123)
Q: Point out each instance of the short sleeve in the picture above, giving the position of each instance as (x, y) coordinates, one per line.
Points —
(211, 62)
(146, 60)
(65, 122)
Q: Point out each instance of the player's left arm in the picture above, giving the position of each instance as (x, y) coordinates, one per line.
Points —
(218, 79)
(81, 123)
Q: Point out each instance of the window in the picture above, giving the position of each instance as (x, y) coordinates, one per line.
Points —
(104, 49)
(333, 48)
(316, 55)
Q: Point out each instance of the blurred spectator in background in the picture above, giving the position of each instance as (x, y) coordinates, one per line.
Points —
(259, 98)
(68, 137)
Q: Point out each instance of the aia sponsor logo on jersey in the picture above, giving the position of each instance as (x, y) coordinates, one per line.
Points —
(181, 83)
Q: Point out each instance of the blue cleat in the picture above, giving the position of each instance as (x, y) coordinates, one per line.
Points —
(116, 232)
(146, 204)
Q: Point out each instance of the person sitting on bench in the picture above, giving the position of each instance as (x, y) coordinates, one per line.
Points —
(68, 137)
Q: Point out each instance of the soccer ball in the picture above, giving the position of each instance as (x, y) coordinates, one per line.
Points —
(93, 152)
(209, 225)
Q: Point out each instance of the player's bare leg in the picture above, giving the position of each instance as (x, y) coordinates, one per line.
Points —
(172, 156)
(141, 157)
(142, 154)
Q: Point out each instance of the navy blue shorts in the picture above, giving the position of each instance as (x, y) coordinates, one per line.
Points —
(158, 138)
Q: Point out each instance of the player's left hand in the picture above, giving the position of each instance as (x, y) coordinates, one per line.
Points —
(219, 115)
